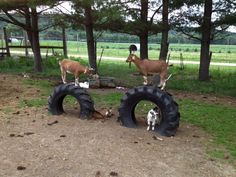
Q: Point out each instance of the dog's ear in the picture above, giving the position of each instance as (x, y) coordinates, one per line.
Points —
(155, 109)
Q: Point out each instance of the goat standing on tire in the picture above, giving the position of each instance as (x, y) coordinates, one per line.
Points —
(74, 67)
(147, 66)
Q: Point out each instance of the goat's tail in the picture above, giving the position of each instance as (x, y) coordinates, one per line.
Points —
(168, 59)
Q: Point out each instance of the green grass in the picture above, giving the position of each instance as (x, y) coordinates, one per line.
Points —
(38, 102)
(223, 79)
(218, 120)
(106, 99)
(221, 53)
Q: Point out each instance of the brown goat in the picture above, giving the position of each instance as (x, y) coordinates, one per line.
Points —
(147, 66)
(74, 67)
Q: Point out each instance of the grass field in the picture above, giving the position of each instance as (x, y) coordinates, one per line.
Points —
(217, 120)
(190, 52)
(223, 79)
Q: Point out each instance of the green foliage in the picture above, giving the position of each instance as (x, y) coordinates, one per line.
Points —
(21, 64)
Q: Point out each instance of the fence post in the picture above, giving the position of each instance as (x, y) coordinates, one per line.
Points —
(181, 61)
(6, 42)
(26, 44)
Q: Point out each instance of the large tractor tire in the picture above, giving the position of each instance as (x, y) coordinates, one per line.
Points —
(55, 100)
(170, 115)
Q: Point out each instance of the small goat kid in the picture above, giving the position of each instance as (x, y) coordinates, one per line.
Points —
(153, 118)
(147, 66)
(74, 67)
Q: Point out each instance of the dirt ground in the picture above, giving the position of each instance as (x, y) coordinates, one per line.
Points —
(34, 143)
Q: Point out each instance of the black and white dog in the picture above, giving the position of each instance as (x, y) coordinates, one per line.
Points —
(153, 118)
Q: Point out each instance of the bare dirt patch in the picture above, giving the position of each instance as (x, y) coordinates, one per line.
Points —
(35, 143)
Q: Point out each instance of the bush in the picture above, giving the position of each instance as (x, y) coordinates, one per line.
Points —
(187, 50)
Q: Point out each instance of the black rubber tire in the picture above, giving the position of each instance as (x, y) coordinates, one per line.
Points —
(55, 100)
(169, 108)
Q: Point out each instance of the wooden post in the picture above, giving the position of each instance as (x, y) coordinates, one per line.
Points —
(64, 42)
(6, 42)
(181, 61)
(210, 55)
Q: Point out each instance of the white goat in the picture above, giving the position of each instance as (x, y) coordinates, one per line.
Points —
(153, 118)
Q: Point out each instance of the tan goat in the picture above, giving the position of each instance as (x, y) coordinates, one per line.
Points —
(147, 66)
(74, 67)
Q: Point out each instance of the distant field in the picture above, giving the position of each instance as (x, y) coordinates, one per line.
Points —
(221, 53)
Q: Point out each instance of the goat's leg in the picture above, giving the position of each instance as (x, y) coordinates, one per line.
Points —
(162, 80)
(163, 85)
(148, 122)
(63, 77)
(145, 80)
(153, 124)
(76, 81)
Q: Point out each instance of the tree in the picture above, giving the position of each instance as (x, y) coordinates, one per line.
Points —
(83, 14)
(165, 30)
(30, 26)
(25, 15)
(202, 27)
(136, 18)
(205, 56)
(142, 23)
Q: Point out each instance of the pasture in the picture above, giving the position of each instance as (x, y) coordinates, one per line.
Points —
(206, 133)
(190, 52)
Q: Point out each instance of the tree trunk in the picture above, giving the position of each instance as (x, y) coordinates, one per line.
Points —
(64, 42)
(28, 26)
(38, 66)
(6, 42)
(26, 44)
(164, 37)
(205, 42)
(90, 38)
(143, 46)
(143, 37)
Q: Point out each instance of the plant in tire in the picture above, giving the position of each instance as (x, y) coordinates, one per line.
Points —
(55, 100)
(168, 107)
